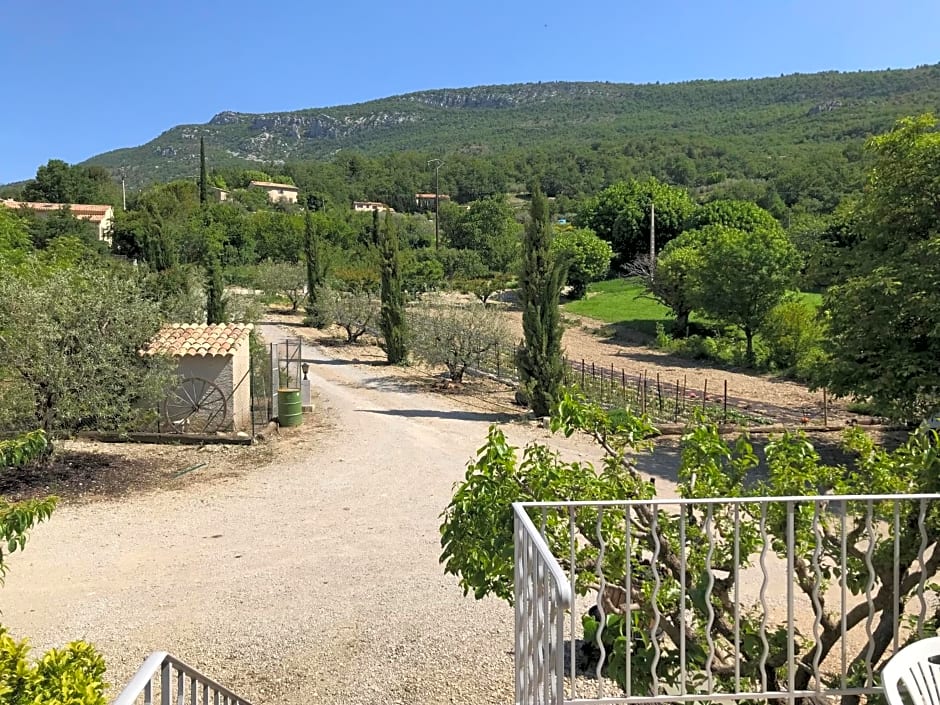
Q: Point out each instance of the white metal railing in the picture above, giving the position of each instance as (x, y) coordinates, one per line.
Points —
(178, 684)
(730, 599)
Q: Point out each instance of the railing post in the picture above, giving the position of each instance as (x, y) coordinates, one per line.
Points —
(165, 676)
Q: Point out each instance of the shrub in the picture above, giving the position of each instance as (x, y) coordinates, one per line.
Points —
(725, 347)
(24, 449)
(70, 676)
(794, 333)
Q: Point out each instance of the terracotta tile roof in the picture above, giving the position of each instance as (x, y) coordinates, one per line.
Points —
(85, 211)
(271, 184)
(180, 339)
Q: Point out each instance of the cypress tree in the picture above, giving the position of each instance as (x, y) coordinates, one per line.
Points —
(393, 301)
(316, 269)
(215, 287)
(203, 185)
(539, 356)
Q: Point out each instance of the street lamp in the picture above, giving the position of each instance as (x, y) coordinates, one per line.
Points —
(438, 163)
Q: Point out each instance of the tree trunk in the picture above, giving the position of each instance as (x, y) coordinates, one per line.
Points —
(682, 323)
(749, 335)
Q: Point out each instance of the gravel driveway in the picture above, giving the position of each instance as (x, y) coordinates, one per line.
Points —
(314, 579)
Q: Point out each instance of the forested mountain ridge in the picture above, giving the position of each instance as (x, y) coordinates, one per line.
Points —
(751, 115)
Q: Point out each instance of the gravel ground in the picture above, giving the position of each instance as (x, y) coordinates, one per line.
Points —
(304, 570)
(312, 578)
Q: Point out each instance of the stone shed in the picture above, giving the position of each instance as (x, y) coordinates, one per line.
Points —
(214, 385)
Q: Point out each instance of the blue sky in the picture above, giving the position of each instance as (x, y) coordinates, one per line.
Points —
(85, 77)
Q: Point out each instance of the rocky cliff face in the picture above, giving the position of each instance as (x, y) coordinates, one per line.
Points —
(298, 125)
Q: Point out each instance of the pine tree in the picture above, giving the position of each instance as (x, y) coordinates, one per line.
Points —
(316, 269)
(203, 185)
(539, 357)
(393, 301)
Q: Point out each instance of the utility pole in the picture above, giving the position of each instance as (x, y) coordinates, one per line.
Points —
(652, 240)
(437, 201)
(123, 188)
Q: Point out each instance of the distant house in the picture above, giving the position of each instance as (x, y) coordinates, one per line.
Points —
(372, 206)
(218, 194)
(425, 201)
(277, 193)
(98, 215)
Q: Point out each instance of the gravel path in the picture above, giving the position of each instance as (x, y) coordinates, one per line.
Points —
(314, 579)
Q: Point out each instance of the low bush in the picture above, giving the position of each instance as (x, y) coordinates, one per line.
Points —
(794, 332)
(725, 346)
(70, 676)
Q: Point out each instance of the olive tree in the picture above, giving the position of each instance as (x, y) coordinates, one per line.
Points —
(288, 279)
(70, 341)
(354, 311)
(455, 336)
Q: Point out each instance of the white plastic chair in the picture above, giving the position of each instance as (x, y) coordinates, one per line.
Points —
(918, 667)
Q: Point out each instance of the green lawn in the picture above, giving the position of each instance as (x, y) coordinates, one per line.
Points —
(621, 301)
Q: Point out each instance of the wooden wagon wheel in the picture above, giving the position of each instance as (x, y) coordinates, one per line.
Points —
(196, 405)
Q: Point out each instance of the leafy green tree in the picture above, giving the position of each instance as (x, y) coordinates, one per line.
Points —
(70, 338)
(490, 228)
(884, 333)
(586, 255)
(742, 215)
(675, 279)
(392, 317)
(620, 214)
(477, 543)
(743, 275)
(53, 183)
(316, 266)
(58, 182)
(460, 264)
(421, 272)
(44, 228)
(539, 358)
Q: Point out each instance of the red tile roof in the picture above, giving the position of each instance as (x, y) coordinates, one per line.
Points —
(180, 339)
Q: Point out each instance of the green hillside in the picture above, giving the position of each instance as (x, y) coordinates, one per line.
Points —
(717, 129)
